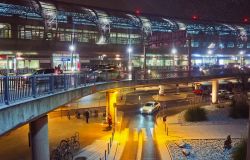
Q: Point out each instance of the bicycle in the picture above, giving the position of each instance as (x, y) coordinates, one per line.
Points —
(61, 153)
(66, 153)
(56, 154)
(74, 142)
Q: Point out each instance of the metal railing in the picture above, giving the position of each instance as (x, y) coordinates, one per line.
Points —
(15, 88)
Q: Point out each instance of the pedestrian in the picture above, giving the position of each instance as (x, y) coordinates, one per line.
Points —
(228, 143)
(87, 116)
(78, 114)
(110, 121)
(68, 115)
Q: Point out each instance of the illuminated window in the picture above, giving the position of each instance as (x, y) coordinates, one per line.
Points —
(5, 30)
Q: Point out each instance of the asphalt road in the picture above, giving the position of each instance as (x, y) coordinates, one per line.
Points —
(138, 123)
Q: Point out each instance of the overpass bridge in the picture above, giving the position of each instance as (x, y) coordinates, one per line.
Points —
(29, 99)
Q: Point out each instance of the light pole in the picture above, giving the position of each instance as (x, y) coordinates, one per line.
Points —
(72, 49)
(174, 52)
(210, 52)
(242, 57)
(129, 50)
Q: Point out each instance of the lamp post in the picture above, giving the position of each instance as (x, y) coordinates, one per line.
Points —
(174, 52)
(210, 52)
(72, 49)
(129, 50)
(242, 57)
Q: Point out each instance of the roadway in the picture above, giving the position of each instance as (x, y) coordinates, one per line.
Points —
(16, 141)
(138, 124)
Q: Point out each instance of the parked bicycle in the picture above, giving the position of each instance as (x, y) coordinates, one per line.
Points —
(67, 148)
(61, 153)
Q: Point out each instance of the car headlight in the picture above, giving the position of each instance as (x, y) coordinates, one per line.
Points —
(150, 110)
(141, 109)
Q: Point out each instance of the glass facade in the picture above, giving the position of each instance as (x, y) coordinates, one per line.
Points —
(85, 25)
(64, 61)
(5, 30)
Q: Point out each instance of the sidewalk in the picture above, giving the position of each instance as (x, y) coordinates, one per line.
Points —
(109, 146)
(200, 130)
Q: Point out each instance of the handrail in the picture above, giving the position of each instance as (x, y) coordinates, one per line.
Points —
(21, 87)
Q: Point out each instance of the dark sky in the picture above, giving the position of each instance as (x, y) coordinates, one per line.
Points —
(222, 10)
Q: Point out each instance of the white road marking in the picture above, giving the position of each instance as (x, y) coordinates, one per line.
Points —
(152, 132)
(135, 134)
(144, 134)
(139, 148)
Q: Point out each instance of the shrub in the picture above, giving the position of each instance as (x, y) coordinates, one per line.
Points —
(240, 151)
(239, 108)
(195, 114)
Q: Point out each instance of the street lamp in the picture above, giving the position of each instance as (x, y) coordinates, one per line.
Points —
(242, 57)
(210, 52)
(129, 50)
(72, 49)
(241, 52)
(174, 51)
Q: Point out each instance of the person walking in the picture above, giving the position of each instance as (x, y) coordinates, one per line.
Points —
(87, 116)
(228, 143)
(110, 121)
(68, 115)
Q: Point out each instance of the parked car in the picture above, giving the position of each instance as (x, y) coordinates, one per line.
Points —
(224, 94)
(27, 78)
(150, 107)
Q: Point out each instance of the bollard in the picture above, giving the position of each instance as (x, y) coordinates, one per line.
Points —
(105, 155)
(110, 142)
(108, 148)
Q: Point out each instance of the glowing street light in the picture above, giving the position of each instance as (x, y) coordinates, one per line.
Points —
(241, 52)
(72, 48)
(129, 50)
(174, 51)
(209, 52)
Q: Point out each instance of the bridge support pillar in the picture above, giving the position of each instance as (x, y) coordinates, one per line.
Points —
(39, 139)
(215, 87)
(248, 139)
(111, 97)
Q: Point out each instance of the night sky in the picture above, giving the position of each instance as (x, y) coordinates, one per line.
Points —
(218, 10)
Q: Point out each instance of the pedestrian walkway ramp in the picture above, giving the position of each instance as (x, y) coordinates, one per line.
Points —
(98, 151)
(93, 152)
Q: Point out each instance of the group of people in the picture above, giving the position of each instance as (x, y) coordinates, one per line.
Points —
(58, 69)
(87, 116)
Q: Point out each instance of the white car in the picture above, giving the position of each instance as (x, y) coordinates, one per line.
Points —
(222, 93)
(150, 107)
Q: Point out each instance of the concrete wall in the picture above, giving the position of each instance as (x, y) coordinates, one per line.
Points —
(17, 114)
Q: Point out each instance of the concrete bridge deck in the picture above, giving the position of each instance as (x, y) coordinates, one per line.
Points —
(23, 109)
